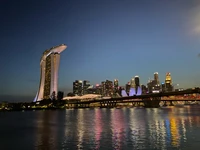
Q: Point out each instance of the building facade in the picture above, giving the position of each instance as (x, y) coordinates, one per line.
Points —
(116, 86)
(168, 83)
(156, 79)
(109, 88)
(132, 82)
(78, 87)
(49, 66)
(128, 87)
(137, 81)
(86, 84)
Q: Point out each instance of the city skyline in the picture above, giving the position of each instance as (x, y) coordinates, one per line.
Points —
(106, 40)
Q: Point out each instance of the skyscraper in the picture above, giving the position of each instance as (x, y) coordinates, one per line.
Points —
(86, 84)
(132, 82)
(156, 79)
(128, 86)
(109, 88)
(103, 90)
(49, 66)
(78, 87)
(137, 81)
(116, 84)
(168, 82)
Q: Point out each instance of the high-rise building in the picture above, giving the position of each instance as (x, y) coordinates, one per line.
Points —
(132, 82)
(163, 87)
(98, 89)
(128, 87)
(49, 66)
(86, 84)
(168, 82)
(78, 87)
(156, 79)
(109, 88)
(137, 81)
(144, 89)
(116, 85)
(103, 88)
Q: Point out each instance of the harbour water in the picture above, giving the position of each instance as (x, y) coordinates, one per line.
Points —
(106, 129)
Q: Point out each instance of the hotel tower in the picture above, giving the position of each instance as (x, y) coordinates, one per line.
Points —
(49, 66)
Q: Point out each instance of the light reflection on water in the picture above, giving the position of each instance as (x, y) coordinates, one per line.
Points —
(127, 128)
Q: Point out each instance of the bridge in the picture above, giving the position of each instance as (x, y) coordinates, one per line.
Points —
(148, 100)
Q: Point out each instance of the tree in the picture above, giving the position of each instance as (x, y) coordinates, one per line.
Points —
(70, 94)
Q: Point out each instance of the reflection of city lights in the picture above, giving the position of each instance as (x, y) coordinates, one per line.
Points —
(80, 128)
(117, 123)
(98, 127)
(184, 130)
(174, 132)
(138, 129)
(157, 130)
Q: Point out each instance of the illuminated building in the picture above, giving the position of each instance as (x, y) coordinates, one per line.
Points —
(150, 85)
(128, 86)
(77, 87)
(49, 65)
(123, 93)
(86, 84)
(163, 87)
(109, 88)
(132, 92)
(132, 82)
(139, 91)
(137, 83)
(120, 91)
(154, 85)
(116, 84)
(103, 86)
(168, 82)
(98, 89)
(144, 89)
(156, 79)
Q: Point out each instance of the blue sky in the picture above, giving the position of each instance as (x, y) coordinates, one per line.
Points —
(105, 39)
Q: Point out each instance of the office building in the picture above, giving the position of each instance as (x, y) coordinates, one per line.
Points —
(86, 84)
(103, 88)
(109, 88)
(137, 81)
(156, 79)
(168, 82)
(78, 87)
(128, 87)
(132, 82)
(116, 85)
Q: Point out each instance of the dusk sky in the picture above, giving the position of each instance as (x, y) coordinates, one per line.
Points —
(106, 39)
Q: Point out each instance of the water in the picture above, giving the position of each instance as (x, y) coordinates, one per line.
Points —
(106, 129)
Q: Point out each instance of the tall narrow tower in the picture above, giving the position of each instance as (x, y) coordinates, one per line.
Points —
(49, 66)
(137, 81)
(132, 82)
(156, 79)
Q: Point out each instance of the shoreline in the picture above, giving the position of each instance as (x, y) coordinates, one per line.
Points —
(65, 108)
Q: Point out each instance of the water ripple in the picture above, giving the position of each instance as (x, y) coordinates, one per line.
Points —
(107, 129)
